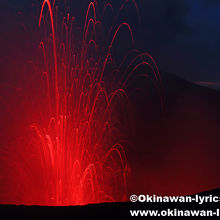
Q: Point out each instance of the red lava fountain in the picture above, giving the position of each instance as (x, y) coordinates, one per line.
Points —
(78, 155)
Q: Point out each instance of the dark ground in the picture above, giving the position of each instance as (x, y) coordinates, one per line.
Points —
(99, 211)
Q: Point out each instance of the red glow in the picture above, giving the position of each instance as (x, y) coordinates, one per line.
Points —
(76, 154)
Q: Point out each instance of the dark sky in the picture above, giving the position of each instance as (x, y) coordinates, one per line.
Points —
(182, 35)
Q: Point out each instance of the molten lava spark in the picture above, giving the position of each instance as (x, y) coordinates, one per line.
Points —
(80, 157)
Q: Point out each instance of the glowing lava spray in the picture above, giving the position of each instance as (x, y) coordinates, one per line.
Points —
(79, 156)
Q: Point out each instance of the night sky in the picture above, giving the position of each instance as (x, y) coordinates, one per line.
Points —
(183, 36)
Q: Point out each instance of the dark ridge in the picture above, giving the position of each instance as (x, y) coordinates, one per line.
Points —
(99, 211)
(175, 152)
